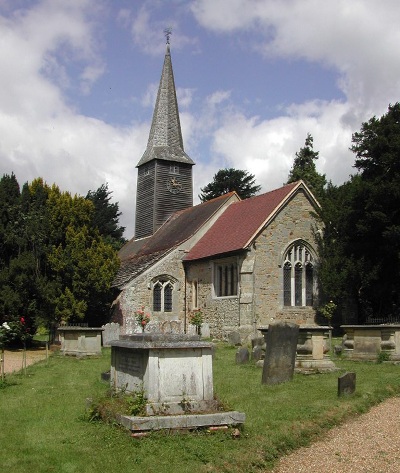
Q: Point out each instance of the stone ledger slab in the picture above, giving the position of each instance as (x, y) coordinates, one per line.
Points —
(191, 421)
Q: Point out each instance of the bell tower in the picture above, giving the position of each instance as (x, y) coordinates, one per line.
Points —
(164, 183)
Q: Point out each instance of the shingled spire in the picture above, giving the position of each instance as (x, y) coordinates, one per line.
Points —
(165, 182)
(165, 139)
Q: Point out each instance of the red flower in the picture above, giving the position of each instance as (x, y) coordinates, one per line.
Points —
(22, 320)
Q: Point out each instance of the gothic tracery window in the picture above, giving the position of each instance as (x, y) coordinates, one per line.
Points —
(298, 276)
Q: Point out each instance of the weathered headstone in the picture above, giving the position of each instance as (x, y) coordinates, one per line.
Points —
(234, 339)
(259, 341)
(280, 353)
(242, 355)
(111, 331)
(346, 384)
(257, 353)
(205, 330)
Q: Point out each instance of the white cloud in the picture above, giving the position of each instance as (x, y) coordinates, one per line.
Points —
(40, 134)
(358, 39)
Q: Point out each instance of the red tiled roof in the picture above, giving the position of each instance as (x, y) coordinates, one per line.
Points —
(240, 222)
(137, 255)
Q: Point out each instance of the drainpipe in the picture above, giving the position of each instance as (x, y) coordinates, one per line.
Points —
(184, 301)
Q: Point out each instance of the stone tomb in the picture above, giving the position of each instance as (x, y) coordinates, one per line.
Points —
(80, 341)
(175, 372)
(366, 342)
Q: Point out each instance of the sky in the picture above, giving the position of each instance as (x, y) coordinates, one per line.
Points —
(79, 80)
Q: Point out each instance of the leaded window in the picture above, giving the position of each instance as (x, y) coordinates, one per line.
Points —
(226, 279)
(162, 296)
(298, 276)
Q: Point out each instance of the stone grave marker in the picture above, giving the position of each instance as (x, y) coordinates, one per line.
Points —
(111, 331)
(242, 355)
(234, 339)
(257, 353)
(280, 353)
(346, 384)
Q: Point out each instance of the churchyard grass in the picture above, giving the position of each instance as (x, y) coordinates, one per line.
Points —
(44, 429)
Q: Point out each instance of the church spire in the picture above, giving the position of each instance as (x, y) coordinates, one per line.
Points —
(165, 138)
(165, 181)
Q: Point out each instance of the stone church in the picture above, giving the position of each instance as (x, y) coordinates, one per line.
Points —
(243, 263)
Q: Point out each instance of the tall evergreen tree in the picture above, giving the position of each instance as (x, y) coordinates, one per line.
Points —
(228, 180)
(304, 168)
(53, 262)
(106, 216)
(360, 249)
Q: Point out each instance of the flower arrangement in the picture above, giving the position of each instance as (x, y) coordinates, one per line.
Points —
(196, 318)
(142, 318)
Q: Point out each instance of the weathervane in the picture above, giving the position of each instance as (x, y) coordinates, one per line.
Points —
(168, 33)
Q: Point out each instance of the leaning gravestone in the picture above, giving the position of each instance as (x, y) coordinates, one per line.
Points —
(280, 353)
(346, 384)
(242, 355)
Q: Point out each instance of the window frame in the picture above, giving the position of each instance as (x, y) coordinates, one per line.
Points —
(163, 295)
(225, 279)
(298, 275)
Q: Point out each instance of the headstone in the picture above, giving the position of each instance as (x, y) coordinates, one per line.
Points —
(234, 339)
(280, 353)
(205, 330)
(111, 332)
(346, 384)
(257, 353)
(259, 341)
(242, 355)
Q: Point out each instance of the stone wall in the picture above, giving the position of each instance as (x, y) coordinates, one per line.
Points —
(140, 293)
(260, 298)
(294, 222)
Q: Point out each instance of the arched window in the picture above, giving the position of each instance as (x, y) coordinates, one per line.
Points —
(162, 296)
(298, 276)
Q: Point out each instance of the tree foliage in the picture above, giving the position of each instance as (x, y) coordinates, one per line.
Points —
(304, 169)
(106, 216)
(54, 264)
(360, 251)
(228, 180)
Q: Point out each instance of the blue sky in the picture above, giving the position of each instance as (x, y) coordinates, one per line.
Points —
(253, 77)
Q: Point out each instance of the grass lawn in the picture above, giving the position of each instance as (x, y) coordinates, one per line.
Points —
(43, 427)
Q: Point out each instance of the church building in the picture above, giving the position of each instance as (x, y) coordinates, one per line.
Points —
(243, 263)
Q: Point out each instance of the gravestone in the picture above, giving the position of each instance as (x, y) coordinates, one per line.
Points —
(346, 384)
(111, 331)
(234, 339)
(205, 330)
(258, 341)
(280, 353)
(257, 353)
(242, 355)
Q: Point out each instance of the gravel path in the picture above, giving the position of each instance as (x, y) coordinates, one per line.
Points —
(369, 443)
(13, 358)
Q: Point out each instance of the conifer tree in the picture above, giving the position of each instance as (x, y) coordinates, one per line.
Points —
(304, 168)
